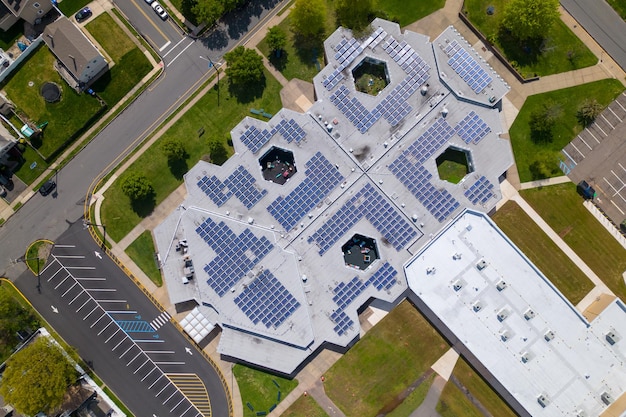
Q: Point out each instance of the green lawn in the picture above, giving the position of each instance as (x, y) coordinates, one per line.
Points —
(141, 251)
(543, 252)
(131, 65)
(453, 403)
(304, 407)
(260, 389)
(481, 390)
(561, 207)
(560, 50)
(18, 309)
(117, 212)
(24, 172)
(69, 7)
(619, 6)
(414, 400)
(452, 165)
(567, 126)
(61, 128)
(409, 11)
(390, 357)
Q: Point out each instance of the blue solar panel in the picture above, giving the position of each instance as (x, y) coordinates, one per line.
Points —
(372, 205)
(254, 138)
(236, 255)
(472, 128)
(267, 300)
(321, 178)
(467, 67)
(346, 293)
(240, 183)
(290, 130)
(480, 192)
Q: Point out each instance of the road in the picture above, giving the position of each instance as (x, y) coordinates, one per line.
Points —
(117, 330)
(603, 24)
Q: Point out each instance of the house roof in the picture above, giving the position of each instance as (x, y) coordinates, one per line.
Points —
(15, 6)
(70, 45)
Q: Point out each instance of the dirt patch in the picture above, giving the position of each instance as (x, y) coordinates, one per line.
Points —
(565, 231)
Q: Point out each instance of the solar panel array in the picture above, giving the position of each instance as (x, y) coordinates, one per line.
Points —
(408, 59)
(255, 138)
(372, 205)
(407, 167)
(346, 293)
(480, 191)
(321, 178)
(347, 51)
(240, 184)
(236, 255)
(376, 38)
(472, 128)
(267, 300)
(467, 67)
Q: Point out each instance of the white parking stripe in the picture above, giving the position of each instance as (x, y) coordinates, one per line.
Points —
(142, 379)
(105, 327)
(184, 412)
(79, 267)
(163, 389)
(157, 380)
(61, 283)
(583, 141)
(169, 363)
(110, 337)
(101, 289)
(53, 275)
(96, 322)
(64, 246)
(118, 345)
(601, 130)
(607, 120)
(181, 400)
(615, 114)
(170, 397)
(89, 299)
(149, 341)
(74, 299)
(137, 370)
(121, 312)
(159, 351)
(131, 361)
(69, 289)
(593, 136)
(126, 351)
(90, 279)
(110, 301)
(94, 309)
(69, 256)
(619, 104)
(49, 265)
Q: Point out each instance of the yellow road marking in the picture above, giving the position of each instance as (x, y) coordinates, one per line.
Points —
(193, 388)
(150, 20)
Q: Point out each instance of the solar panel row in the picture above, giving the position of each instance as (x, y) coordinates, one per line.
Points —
(467, 67)
(342, 321)
(372, 205)
(255, 138)
(472, 128)
(376, 37)
(236, 255)
(321, 178)
(267, 300)
(480, 191)
(239, 183)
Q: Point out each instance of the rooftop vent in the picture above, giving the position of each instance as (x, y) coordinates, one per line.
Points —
(500, 285)
(606, 398)
(526, 357)
(457, 285)
(477, 306)
(482, 264)
(529, 314)
(456, 256)
(581, 413)
(549, 335)
(503, 314)
(505, 335)
(543, 400)
(612, 337)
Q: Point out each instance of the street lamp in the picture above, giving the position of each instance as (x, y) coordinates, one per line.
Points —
(217, 71)
(88, 223)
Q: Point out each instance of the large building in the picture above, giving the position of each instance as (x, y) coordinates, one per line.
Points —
(317, 212)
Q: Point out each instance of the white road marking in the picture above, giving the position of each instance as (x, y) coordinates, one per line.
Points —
(110, 337)
(615, 114)
(142, 379)
(159, 351)
(69, 289)
(69, 256)
(169, 363)
(54, 275)
(90, 279)
(118, 345)
(170, 397)
(173, 47)
(162, 389)
(607, 120)
(64, 246)
(121, 312)
(619, 104)
(110, 301)
(164, 46)
(160, 376)
(593, 136)
(136, 370)
(149, 341)
(61, 283)
(89, 299)
(181, 400)
(101, 289)
(96, 322)
(131, 361)
(79, 267)
(126, 351)
(583, 141)
(105, 327)
(601, 130)
(94, 309)
(616, 206)
(74, 299)
(179, 54)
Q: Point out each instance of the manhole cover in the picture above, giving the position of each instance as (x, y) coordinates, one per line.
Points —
(51, 92)
(30, 83)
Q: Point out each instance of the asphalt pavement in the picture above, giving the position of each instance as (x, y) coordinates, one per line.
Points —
(120, 333)
(603, 24)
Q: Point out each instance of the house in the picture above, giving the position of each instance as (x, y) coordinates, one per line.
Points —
(30, 10)
(78, 60)
(7, 141)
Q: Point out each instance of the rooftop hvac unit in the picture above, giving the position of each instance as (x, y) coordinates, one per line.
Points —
(500, 285)
(503, 314)
(543, 400)
(482, 264)
(457, 285)
(606, 398)
(477, 306)
(525, 357)
(549, 335)
(529, 314)
(612, 337)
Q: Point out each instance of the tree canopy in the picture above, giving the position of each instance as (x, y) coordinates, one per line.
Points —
(173, 149)
(276, 38)
(354, 14)
(308, 18)
(530, 19)
(588, 111)
(245, 66)
(136, 186)
(37, 377)
(209, 11)
(13, 318)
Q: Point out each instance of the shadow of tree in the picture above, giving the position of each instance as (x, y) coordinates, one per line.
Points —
(248, 92)
(280, 63)
(524, 52)
(178, 167)
(216, 39)
(145, 206)
(307, 48)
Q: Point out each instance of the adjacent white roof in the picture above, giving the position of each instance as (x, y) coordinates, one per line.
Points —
(517, 324)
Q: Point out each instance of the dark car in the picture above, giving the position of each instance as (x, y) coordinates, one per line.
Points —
(586, 190)
(83, 14)
(47, 187)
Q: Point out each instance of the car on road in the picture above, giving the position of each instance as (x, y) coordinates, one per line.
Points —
(149, 1)
(47, 187)
(83, 14)
(159, 10)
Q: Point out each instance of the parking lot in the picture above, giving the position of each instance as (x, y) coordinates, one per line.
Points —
(598, 156)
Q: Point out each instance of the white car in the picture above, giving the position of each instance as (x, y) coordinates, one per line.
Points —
(159, 10)
(149, 1)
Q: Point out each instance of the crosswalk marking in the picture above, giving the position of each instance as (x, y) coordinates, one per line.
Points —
(160, 320)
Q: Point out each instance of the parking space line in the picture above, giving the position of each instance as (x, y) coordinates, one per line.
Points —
(79, 308)
(170, 397)
(110, 301)
(61, 283)
(601, 130)
(101, 289)
(96, 322)
(615, 114)
(617, 207)
(64, 246)
(121, 311)
(49, 265)
(157, 380)
(148, 341)
(146, 376)
(94, 309)
(131, 361)
(79, 267)
(110, 337)
(607, 120)
(141, 366)
(69, 289)
(159, 351)
(74, 299)
(585, 142)
(620, 104)
(70, 256)
(185, 412)
(55, 274)
(126, 351)
(181, 400)
(90, 279)
(121, 341)
(105, 327)
(592, 135)
(169, 363)
(163, 389)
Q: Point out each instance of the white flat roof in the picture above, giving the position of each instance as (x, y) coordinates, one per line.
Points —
(517, 324)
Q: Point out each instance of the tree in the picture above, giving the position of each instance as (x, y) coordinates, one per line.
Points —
(37, 377)
(136, 186)
(530, 19)
(276, 38)
(217, 151)
(588, 110)
(354, 14)
(245, 66)
(13, 318)
(542, 122)
(308, 19)
(208, 11)
(545, 165)
(173, 149)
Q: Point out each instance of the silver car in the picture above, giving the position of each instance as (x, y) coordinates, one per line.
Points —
(159, 10)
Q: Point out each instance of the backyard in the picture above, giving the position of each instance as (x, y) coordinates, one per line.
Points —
(561, 207)
(117, 211)
(69, 7)
(527, 151)
(407, 345)
(543, 252)
(260, 390)
(559, 51)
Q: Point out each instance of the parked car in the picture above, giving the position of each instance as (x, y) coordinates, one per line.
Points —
(4, 180)
(3, 191)
(586, 190)
(149, 1)
(159, 10)
(47, 187)
(83, 14)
